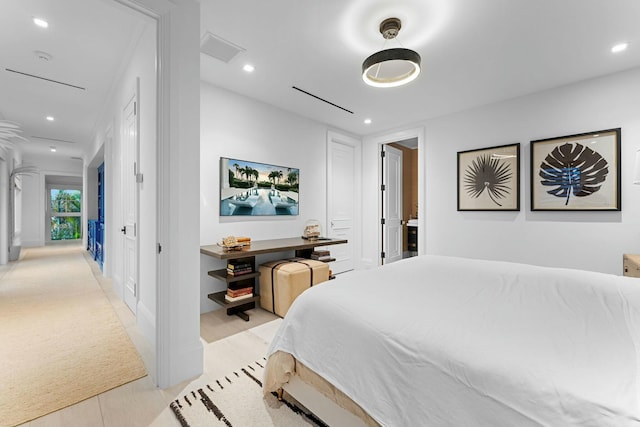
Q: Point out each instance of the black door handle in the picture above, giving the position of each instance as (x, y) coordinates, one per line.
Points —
(124, 229)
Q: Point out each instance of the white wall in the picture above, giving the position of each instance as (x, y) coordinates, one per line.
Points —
(586, 240)
(239, 127)
(139, 64)
(5, 169)
(33, 193)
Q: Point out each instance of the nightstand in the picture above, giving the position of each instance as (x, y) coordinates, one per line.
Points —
(631, 265)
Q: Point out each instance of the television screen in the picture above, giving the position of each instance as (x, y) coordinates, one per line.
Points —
(254, 189)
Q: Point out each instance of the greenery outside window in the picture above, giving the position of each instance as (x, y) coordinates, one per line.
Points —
(66, 214)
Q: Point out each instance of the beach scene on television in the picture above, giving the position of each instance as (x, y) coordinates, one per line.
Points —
(251, 188)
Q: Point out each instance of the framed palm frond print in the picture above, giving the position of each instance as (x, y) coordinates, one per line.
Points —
(576, 172)
(489, 179)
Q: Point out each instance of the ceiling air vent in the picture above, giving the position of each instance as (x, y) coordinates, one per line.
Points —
(44, 138)
(218, 47)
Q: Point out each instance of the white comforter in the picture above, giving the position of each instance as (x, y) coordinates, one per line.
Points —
(442, 341)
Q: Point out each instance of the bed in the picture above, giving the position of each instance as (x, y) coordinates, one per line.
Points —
(445, 341)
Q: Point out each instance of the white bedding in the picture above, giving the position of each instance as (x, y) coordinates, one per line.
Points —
(442, 341)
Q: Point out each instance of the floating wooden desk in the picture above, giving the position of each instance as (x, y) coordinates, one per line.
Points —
(302, 247)
(258, 247)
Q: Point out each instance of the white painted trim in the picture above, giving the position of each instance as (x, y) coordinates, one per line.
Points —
(176, 360)
(396, 136)
(146, 321)
(32, 243)
(333, 136)
(4, 210)
(109, 238)
(163, 360)
(179, 349)
(146, 324)
(46, 219)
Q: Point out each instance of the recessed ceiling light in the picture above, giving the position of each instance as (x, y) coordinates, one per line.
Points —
(249, 68)
(619, 47)
(53, 149)
(40, 22)
(367, 121)
(50, 118)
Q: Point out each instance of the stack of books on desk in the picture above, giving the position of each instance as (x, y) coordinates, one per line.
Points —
(237, 268)
(238, 294)
(321, 255)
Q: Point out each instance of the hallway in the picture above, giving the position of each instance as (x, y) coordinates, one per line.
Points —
(70, 336)
(138, 403)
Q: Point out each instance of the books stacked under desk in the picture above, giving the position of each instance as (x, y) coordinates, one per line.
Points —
(240, 290)
(322, 255)
(238, 267)
(238, 293)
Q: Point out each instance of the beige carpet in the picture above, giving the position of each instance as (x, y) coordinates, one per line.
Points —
(61, 342)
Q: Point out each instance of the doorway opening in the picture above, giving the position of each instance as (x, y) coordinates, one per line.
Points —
(399, 196)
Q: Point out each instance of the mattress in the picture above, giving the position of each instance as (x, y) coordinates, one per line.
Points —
(443, 341)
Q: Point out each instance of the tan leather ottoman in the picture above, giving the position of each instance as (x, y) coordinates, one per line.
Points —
(282, 281)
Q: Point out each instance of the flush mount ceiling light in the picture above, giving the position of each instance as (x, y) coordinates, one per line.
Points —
(40, 22)
(619, 47)
(391, 67)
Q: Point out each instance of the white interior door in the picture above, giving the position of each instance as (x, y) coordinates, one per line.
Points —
(343, 192)
(391, 204)
(130, 150)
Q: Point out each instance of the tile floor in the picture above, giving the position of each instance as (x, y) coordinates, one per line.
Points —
(230, 342)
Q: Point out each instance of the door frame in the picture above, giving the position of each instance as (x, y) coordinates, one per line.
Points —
(388, 138)
(384, 197)
(174, 334)
(339, 138)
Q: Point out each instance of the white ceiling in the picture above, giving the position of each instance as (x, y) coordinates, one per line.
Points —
(89, 40)
(473, 53)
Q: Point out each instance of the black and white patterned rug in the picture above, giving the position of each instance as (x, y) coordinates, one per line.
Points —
(237, 401)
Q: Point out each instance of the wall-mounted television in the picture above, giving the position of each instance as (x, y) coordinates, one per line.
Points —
(257, 189)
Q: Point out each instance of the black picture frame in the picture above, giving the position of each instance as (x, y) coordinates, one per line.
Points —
(489, 179)
(579, 172)
(249, 188)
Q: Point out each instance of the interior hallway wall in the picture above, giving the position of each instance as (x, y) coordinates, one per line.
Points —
(138, 66)
(34, 194)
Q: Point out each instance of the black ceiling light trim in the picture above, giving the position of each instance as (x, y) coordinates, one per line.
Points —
(374, 72)
(44, 78)
(321, 99)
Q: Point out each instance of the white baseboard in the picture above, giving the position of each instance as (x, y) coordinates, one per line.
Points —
(367, 263)
(118, 286)
(191, 362)
(146, 322)
(32, 243)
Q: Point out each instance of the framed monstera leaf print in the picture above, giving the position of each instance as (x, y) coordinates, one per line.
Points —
(489, 179)
(576, 172)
